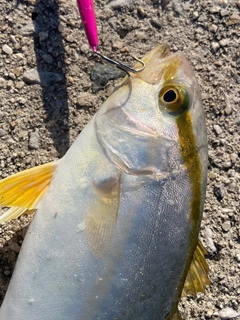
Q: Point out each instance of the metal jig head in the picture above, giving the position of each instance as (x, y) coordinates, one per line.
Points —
(121, 65)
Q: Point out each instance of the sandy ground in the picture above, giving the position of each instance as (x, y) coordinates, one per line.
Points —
(38, 122)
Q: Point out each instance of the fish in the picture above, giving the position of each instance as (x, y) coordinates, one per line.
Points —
(117, 219)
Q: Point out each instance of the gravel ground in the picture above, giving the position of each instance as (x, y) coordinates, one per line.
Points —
(41, 113)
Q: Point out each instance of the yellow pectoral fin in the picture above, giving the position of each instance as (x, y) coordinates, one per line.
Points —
(23, 191)
(197, 278)
(101, 217)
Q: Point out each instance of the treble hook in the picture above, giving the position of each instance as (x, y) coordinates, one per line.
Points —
(121, 65)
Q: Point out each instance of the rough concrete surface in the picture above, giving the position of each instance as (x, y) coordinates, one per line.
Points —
(46, 98)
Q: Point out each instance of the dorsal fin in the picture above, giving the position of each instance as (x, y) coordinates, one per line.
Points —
(23, 190)
(197, 278)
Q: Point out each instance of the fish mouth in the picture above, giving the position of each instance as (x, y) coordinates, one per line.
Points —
(156, 62)
(160, 52)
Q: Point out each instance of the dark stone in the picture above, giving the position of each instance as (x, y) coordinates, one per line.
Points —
(102, 73)
(219, 191)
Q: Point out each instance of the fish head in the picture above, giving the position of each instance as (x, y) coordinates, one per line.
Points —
(154, 119)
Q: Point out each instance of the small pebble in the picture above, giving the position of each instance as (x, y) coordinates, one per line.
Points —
(233, 157)
(18, 71)
(228, 109)
(70, 79)
(223, 3)
(140, 35)
(141, 12)
(157, 23)
(9, 84)
(234, 19)
(2, 133)
(86, 100)
(226, 226)
(34, 140)
(2, 82)
(223, 141)
(70, 38)
(17, 46)
(215, 46)
(48, 58)
(228, 313)
(217, 129)
(212, 175)
(60, 27)
(224, 42)
(195, 14)
(28, 29)
(19, 56)
(213, 28)
(8, 50)
(177, 7)
(237, 121)
(117, 4)
(15, 247)
(44, 78)
(12, 75)
(22, 100)
(7, 272)
(227, 164)
(20, 84)
(214, 9)
(42, 36)
(209, 314)
(219, 191)
(224, 12)
(84, 48)
(209, 241)
(218, 63)
(117, 45)
(13, 39)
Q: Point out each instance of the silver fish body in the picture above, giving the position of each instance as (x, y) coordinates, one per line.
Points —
(114, 235)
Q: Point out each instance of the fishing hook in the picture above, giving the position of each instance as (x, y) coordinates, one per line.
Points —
(121, 65)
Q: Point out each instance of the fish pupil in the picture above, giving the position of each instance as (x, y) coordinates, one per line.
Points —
(169, 96)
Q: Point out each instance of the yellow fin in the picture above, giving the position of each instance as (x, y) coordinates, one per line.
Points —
(23, 190)
(101, 218)
(197, 278)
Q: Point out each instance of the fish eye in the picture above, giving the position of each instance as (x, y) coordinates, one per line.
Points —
(173, 98)
(170, 96)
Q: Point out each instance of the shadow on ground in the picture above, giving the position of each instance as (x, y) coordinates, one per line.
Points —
(49, 50)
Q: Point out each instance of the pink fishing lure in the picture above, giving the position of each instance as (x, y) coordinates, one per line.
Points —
(86, 9)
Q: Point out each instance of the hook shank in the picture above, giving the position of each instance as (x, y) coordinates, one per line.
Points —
(121, 65)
